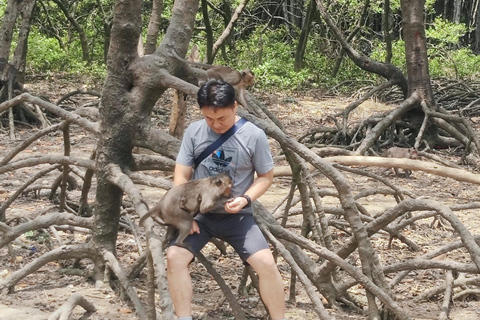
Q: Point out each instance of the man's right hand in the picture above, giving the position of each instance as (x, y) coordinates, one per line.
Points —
(195, 228)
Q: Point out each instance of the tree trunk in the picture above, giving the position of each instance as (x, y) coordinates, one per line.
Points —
(303, 39)
(386, 31)
(179, 108)
(228, 29)
(457, 11)
(209, 32)
(132, 87)
(476, 41)
(361, 21)
(106, 31)
(6, 31)
(416, 50)
(386, 70)
(78, 27)
(117, 120)
(20, 54)
(154, 27)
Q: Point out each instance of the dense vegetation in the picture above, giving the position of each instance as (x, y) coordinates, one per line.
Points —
(266, 38)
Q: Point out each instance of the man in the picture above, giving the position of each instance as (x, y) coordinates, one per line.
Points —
(246, 152)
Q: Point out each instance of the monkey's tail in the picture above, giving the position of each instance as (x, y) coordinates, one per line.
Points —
(149, 215)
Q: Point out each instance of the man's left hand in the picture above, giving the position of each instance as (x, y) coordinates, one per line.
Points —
(235, 205)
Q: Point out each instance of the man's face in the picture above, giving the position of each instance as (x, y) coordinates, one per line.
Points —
(220, 120)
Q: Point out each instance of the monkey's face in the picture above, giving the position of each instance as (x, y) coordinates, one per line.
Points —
(223, 184)
(248, 77)
(220, 119)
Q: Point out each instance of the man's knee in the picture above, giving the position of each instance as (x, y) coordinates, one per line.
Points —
(262, 261)
(178, 257)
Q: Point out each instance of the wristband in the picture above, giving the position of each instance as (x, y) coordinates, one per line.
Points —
(249, 201)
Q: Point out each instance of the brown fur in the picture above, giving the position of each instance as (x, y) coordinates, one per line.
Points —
(397, 152)
(238, 80)
(182, 203)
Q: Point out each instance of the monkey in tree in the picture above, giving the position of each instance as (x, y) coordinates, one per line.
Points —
(239, 80)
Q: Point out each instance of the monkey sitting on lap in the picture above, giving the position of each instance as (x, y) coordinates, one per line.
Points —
(182, 203)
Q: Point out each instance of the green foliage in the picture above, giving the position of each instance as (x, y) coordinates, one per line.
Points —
(45, 56)
(3, 5)
(274, 69)
(445, 58)
(398, 53)
(461, 64)
(270, 54)
(444, 32)
(38, 236)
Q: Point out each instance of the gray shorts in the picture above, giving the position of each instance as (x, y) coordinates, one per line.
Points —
(239, 230)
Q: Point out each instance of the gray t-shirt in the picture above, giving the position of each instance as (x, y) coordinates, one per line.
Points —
(244, 153)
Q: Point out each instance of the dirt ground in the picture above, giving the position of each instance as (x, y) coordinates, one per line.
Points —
(40, 294)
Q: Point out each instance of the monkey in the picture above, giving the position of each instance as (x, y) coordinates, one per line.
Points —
(239, 80)
(182, 203)
(397, 152)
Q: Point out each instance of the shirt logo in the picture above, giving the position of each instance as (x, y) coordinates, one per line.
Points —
(219, 159)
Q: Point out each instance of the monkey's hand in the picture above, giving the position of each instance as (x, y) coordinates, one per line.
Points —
(195, 228)
(235, 205)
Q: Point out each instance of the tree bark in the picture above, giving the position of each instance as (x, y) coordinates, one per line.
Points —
(154, 27)
(228, 29)
(476, 42)
(386, 70)
(457, 10)
(386, 31)
(116, 131)
(208, 31)
(78, 27)
(303, 39)
(132, 87)
(6, 31)
(416, 50)
(20, 54)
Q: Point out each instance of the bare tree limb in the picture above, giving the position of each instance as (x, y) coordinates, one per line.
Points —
(74, 118)
(79, 251)
(33, 161)
(122, 276)
(66, 310)
(413, 164)
(236, 308)
(45, 221)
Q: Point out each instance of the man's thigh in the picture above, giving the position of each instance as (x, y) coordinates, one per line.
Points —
(244, 235)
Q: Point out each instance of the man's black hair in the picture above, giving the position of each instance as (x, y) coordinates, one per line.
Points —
(216, 94)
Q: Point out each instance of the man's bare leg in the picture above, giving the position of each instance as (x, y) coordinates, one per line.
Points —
(270, 282)
(179, 280)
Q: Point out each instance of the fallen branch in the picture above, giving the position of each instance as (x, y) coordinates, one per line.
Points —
(412, 164)
(70, 116)
(45, 221)
(354, 272)
(26, 142)
(310, 289)
(123, 278)
(20, 190)
(236, 308)
(154, 243)
(81, 251)
(65, 311)
(33, 161)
